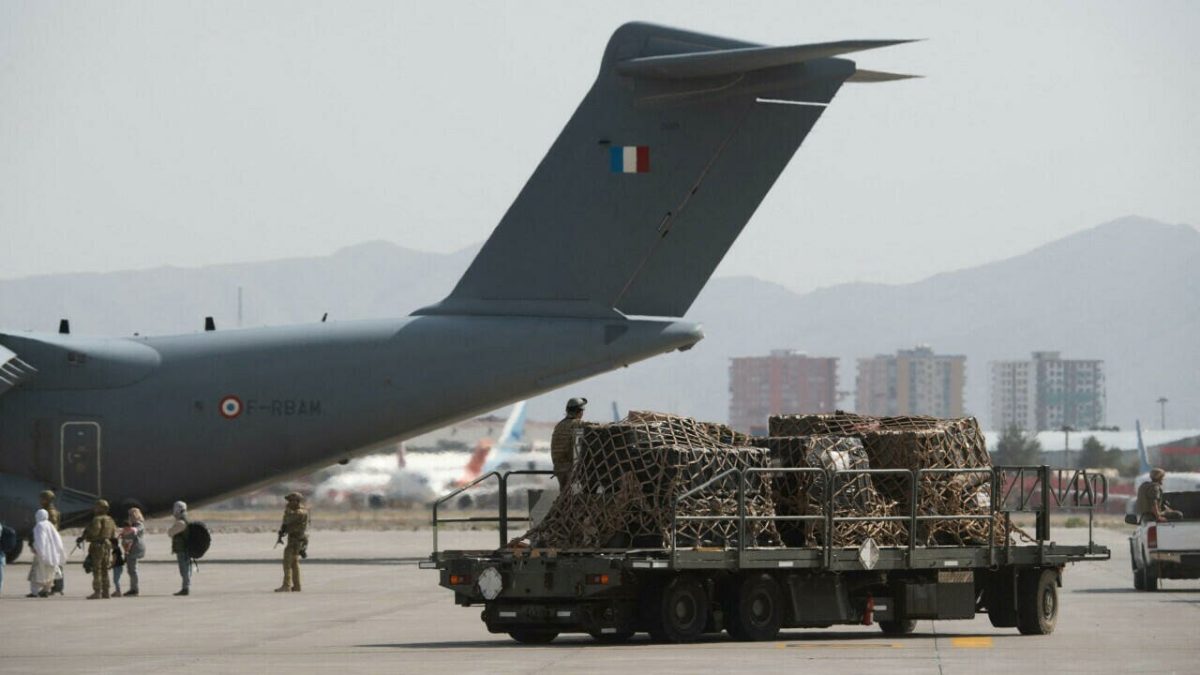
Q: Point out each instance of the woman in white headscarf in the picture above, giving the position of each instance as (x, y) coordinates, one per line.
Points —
(48, 555)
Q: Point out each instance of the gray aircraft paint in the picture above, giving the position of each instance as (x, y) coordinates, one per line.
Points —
(580, 277)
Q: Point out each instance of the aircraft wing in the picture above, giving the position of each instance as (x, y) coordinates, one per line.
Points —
(13, 371)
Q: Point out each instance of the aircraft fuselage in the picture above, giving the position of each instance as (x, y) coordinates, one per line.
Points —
(200, 416)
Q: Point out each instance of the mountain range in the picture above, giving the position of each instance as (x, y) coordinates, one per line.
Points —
(1126, 291)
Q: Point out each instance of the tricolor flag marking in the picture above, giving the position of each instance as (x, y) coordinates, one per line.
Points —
(630, 159)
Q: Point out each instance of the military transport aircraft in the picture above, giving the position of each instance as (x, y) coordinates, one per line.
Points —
(609, 242)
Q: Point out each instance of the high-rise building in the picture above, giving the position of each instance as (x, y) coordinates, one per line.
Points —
(911, 382)
(1047, 393)
(784, 382)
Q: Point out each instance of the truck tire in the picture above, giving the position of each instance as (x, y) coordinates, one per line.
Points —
(677, 612)
(755, 609)
(533, 637)
(898, 626)
(1037, 601)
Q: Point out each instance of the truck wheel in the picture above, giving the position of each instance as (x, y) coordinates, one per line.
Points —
(1037, 601)
(678, 612)
(898, 627)
(755, 609)
(533, 637)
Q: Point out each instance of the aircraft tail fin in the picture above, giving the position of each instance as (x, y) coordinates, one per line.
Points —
(654, 176)
(1143, 456)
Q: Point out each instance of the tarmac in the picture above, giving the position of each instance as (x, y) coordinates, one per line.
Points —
(366, 607)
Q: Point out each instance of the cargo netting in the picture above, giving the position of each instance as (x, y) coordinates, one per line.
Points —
(628, 476)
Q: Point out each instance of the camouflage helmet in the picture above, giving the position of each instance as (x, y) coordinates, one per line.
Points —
(294, 497)
(576, 404)
(101, 505)
(47, 495)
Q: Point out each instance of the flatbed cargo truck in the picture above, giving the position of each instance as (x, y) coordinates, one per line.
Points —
(678, 593)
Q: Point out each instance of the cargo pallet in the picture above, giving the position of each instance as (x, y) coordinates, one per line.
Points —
(679, 593)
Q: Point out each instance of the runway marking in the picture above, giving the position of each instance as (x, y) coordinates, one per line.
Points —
(973, 642)
(839, 645)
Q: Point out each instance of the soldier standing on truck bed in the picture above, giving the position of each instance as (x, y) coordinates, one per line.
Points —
(1150, 505)
(562, 441)
(295, 526)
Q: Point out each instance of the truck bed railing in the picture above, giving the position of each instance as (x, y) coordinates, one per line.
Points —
(1081, 490)
(1012, 489)
(502, 519)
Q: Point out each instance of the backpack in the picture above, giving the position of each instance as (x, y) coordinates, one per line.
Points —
(8, 539)
(198, 540)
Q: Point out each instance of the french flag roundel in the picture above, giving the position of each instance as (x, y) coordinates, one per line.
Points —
(230, 407)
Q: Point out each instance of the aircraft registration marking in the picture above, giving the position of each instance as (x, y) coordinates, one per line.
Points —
(284, 407)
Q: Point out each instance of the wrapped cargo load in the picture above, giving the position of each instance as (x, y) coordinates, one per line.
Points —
(913, 443)
(628, 476)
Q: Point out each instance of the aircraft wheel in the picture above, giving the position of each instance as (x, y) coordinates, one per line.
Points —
(1037, 607)
(533, 637)
(678, 612)
(755, 609)
(898, 626)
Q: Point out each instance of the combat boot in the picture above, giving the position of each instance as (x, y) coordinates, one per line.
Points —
(105, 595)
(182, 591)
(296, 588)
(283, 589)
(94, 596)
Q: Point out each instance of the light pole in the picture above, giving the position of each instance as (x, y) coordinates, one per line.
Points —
(1162, 411)
(1067, 429)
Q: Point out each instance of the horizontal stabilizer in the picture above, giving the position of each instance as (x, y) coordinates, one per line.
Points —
(729, 61)
(861, 75)
(13, 370)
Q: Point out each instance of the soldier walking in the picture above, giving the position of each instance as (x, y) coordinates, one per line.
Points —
(99, 535)
(562, 441)
(47, 498)
(295, 526)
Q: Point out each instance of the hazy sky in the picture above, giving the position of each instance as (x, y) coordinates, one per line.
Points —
(139, 134)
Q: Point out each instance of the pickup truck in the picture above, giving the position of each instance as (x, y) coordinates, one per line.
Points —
(1169, 550)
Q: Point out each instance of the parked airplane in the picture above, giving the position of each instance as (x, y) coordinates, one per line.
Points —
(609, 242)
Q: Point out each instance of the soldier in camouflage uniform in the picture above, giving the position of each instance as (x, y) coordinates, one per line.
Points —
(295, 526)
(47, 498)
(1150, 505)
(99, 535)
(562, 441)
